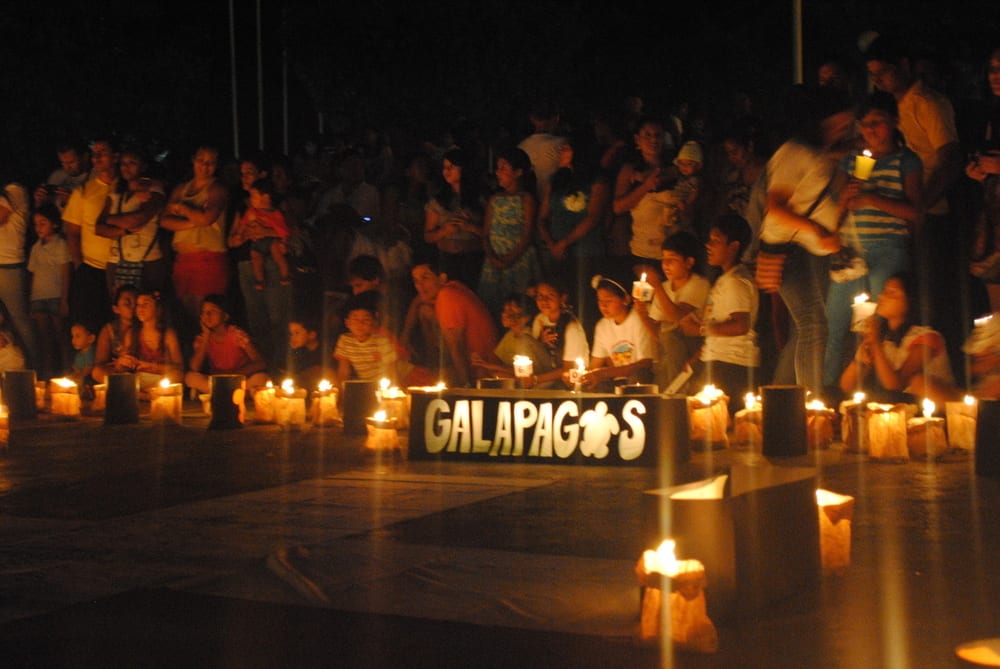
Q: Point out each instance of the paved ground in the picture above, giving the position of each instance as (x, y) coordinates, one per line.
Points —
(143, 545)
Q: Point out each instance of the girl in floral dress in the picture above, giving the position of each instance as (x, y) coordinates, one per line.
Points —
(511, 259)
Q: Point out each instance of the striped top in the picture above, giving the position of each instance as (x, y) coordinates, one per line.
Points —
(887, 180)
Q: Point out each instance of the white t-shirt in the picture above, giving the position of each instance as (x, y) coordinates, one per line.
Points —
(624, 343)
(694, 292)
(46, 264)
(576, 339)
(733, 292)
(12, 233)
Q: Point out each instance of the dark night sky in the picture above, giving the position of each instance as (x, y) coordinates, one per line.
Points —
(160, 69)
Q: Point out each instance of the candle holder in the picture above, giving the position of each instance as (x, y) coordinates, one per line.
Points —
(382, 433)
(524, 369)
(864, 163)
(358, 400)
(576, 374)
(41, 389)
(290, 406)
(925, 435)
(783, 423)
(887, 433)
(19, 393)
(100, 401)
(263, 404)
(708, 417)
(227, 399)
(835, 515)
(206, 403)
(65, 399)
(819, 426)
(690, 627)
(4, 428)
(166, 401)
(960, 421)
(642, 290)
(747, 424)
(396, 404)
(122, 399)
(324, 406)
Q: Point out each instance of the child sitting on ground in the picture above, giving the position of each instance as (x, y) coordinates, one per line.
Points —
(516, 316)
(83, 340)
(365, 352)
(223, 348)
(729, 357)
(305, 355)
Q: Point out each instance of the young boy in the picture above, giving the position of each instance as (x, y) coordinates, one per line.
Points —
(83, 339)
(305, 354)
(516, 317)
(729, 357)
(684, 291)
(364, 352)
(271, 235)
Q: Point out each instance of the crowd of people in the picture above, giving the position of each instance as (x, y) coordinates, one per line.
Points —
(427, 259)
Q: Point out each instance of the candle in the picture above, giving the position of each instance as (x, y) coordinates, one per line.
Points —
(4, 427)
(40, 387)
(382, 434)
(961, 420)
(887, 432)
(819, 425)
(863, 165)
(523, 370)
(642, 290)
(690, 627)
(708, 414)
(396, 404)
(863, 309)
(290, 405)
(263, 404)
(165, 401)
(65, 398)
(100, 397)
(835, 515)
(747, 423)
(854, 425)
(925, 435)
(576, 374)
(324, 405)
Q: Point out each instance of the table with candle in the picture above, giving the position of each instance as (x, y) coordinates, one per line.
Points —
(382, 432)
(887, 432)
(747, 423)
(263, 404)
(323, 410)
(960, 421)
(166, 401)
(854, 424)
(819, 425)
(65, 398)
(708, 417)
(289, 405)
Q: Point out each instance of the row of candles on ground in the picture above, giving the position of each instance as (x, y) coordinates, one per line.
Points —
(883, 431)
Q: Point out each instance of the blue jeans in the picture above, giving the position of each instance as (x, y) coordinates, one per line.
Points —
(884, 258)
(803, 287)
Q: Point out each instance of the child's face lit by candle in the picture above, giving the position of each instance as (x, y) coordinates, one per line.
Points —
(549, 301)
(612, 304)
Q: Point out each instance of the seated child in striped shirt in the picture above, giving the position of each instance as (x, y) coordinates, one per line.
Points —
(365, 351)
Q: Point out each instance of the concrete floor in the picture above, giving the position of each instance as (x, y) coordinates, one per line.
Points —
(144, 545)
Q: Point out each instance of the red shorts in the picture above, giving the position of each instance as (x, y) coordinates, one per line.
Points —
(201, 273)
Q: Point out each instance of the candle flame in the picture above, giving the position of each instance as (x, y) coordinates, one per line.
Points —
(829, 498)
(979, 322)
(324, 386)
(643, 279)
(164, 383)
(929, 407)
(969, 400)
(859, 397)
(866, 153)
(663, 560)
(380, 416)
(288, 386)
(861, 298)
(384, 385)
(522, 360)
(580, 365)
(63, 382)
(750, 401)
(709, 394)
(269, 385)
(815, 405)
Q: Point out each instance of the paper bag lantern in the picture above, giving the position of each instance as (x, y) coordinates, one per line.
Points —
(835, 515)
(289, 406)
(925, 435)
(755, 529)
(747, 423)
(263, 404)
(819, 426)
(65, 398)
(324, 408)
(382, 433)
(166, 402)
(961, 423)
(887, 432)
(854, 424)
(708, 416)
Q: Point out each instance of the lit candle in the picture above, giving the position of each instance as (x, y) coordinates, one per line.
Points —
(925, 436)
(382, 434)
(747, 422)
(65, 398)
(290, 405)
(690, 627)
(263, 404)
(961, 421)
(397, 405)
(324, 405)
(576, 374)
(863, 309)
(165, 401)
(523, 369)
(835, 515)
(854, 426)
(819, 425)
(708, 413)
(863, 165)
(642, 290)
(887, 432)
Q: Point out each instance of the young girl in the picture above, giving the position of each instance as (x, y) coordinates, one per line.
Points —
(684, 291)
(881, 212)
(518, 341)
(558, 329)
(156, 350)
(898, 360)
(511, 259)
(116, 338)
(623, 346)
(264, 225)
(223, 348)
(49, 264)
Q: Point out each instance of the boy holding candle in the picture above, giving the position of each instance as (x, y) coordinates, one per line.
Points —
(729, 356)
(516, 316)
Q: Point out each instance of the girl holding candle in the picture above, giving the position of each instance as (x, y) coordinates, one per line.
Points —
(623, 346)
(156, 352)
(881, 210)
(517, 341)
(899, 360)
(558, 329)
